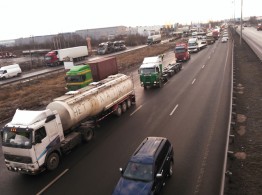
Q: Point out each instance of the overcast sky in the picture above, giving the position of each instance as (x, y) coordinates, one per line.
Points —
(24, 18)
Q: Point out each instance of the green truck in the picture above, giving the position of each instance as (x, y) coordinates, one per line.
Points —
(78, 77)
(151, 72)
(82, 75)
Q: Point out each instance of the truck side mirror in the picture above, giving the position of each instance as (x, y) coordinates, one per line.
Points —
(121, 170)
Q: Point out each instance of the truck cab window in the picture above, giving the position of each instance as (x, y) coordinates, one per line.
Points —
(41, 133)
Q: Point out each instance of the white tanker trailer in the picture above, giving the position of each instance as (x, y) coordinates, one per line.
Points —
(35, 140)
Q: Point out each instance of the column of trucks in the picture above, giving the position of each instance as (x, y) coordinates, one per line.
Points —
(35, 141)
(57, 57)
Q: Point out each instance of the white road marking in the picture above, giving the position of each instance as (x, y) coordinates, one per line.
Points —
(52, 182)
(173, 110)
(136, 110)
(203, 66)
(193, 81)
(209, 57)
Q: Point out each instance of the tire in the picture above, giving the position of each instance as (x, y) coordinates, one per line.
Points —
(128, 103)
(118, 111)
(160, 84)
(87, 134)
(124, 107)
(52, 161)
(170, 170)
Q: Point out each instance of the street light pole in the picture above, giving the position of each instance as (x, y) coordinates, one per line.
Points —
(241, 23)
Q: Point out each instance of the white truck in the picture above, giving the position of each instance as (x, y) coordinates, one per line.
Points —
(10, 71)
(35, 140)
(57, 57)
(153, 39)
(193, 45)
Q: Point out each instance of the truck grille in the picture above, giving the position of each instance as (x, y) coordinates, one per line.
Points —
(19, 159)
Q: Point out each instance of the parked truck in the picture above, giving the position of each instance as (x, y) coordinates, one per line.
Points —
(151, 72)
(57, 57)
(82, 75)
(153, 39)
(35, 141)
(105, 48)
(181, 52)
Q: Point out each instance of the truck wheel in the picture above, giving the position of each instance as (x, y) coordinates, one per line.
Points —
(124, 107)
(160, 84)
(87, 134)
(128, 103)
(118, 111)
(52, 161)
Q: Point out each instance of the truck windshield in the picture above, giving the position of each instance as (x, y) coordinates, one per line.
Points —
(192, 44)
(180, 50)
(47, 58)
(17, 139)
(147, 70)
(139, 171)
(75, 78)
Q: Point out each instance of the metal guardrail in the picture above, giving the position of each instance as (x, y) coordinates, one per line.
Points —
(224, 172)
(33, 77)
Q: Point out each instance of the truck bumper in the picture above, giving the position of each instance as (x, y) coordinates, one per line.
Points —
(30, 169)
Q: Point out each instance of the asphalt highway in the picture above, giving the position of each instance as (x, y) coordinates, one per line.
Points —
(191, 110)
(253, 39)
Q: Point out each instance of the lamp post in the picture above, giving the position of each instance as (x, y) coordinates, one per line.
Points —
(241, 23)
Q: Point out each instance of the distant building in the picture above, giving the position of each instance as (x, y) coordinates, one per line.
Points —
(8, 43)
(105, 33)
(145, 30)
(98, 33)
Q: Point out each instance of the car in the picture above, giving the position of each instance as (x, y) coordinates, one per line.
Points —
(148, 168)
(224, 39)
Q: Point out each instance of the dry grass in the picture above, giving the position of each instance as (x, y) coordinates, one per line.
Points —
(37, 94)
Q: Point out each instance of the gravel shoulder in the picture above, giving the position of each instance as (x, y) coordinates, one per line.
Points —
(246, 163)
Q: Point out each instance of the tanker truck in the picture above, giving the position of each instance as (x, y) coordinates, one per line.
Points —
(35, 141)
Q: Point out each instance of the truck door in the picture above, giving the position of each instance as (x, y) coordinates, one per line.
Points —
(41, 144)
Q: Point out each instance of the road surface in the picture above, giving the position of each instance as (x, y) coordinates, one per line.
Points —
(191, 110)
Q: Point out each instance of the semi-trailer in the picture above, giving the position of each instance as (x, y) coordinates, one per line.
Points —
(82, 75)
(153, 39)
(34, 141)
(57, 57)
(151, 72)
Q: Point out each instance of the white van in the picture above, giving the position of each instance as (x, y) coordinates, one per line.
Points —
(10, 71)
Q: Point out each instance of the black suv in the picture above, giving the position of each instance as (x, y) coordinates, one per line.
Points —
(148, 168)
